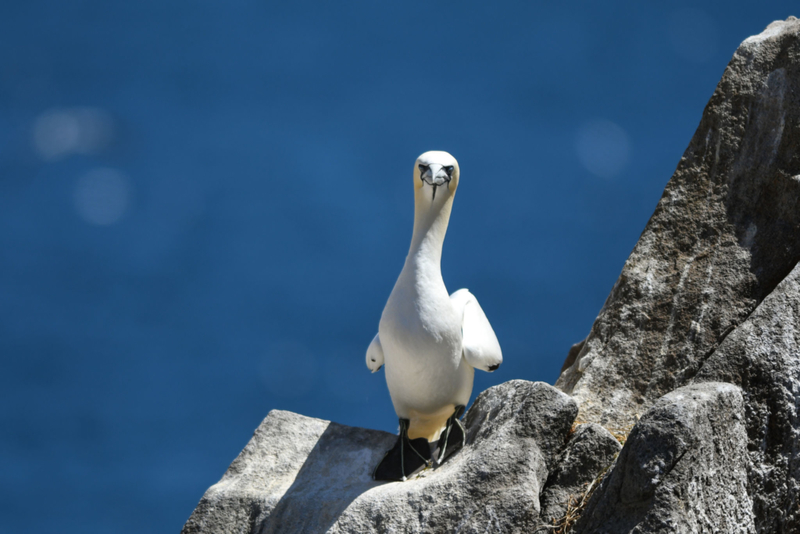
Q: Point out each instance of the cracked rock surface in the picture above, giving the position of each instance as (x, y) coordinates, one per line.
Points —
(591, 449)
(711, 293)
(723, 235)
(300, 474)
(763, 357)
(681, 470)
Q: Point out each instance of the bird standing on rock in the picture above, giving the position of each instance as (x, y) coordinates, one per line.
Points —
(430, 342)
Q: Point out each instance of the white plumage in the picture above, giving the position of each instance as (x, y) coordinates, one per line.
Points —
(429, 341)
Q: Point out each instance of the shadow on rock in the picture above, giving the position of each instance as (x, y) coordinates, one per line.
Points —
(338, 469)
(300, 474)
(297, 474)
(683, 469)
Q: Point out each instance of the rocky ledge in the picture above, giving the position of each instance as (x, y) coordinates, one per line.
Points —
(693, 362)
(300, 474)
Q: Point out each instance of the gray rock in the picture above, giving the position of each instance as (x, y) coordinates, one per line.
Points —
(683, 469)
(572, 355)
(722, 237)
(300, 474)
(763, 357)
(291, 455)
(590, 451)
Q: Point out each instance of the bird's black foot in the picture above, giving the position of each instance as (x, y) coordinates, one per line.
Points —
(406, 458)
(452, 438)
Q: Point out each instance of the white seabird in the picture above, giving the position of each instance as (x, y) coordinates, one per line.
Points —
(429, 341)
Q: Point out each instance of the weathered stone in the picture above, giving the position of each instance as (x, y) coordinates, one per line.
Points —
(572, 355)
(288, 455)
(682, 469)
(590, 451)
(300, 474)
(723, 235)
(763, 357)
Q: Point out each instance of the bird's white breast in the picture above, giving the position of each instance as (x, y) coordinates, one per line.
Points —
(420, 331)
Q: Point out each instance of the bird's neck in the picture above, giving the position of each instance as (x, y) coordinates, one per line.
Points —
(430, 227)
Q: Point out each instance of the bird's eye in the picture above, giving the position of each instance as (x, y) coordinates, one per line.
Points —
(423, 168)
(449, 170)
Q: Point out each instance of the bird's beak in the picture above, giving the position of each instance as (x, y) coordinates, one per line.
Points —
(435, 175)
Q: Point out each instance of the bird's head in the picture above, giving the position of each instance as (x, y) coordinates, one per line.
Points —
(436, 176)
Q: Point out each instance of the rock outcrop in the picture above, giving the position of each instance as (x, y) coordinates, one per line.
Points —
(696, 353)
(762, 356)
(300, 474)
(590, 451)
(681, 470)
(724, 234)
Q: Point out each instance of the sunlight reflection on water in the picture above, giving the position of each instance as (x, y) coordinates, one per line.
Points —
(62, 131)
(102, 196)
(603, 147)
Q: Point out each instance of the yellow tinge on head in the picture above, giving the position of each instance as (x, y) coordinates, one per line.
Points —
(438, 169)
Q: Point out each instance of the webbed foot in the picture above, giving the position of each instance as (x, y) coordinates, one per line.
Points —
(406, 458)
(453, 437)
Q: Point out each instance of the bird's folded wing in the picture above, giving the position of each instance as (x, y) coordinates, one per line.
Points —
(375, 354)
(481, 348)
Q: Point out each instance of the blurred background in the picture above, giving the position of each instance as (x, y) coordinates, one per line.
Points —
(204, 206)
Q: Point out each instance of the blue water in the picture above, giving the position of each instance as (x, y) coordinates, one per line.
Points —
(204, 206)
